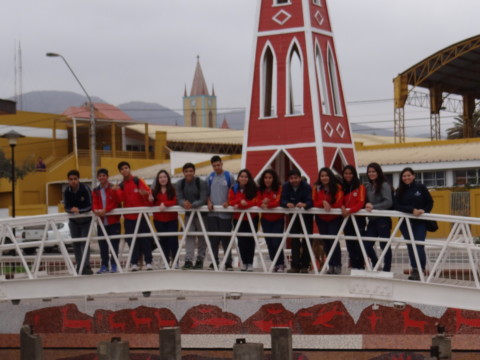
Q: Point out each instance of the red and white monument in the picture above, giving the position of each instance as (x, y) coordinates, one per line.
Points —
(297, 115)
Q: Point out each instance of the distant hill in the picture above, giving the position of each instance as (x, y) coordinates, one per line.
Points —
(53, 102)
(151, 113)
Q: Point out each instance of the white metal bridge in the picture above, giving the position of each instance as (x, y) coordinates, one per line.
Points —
(451, 280)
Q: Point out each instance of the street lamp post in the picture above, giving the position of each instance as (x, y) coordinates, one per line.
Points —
(93, 150)
(12, 137)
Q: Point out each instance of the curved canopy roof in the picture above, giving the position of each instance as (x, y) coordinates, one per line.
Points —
(455, 69)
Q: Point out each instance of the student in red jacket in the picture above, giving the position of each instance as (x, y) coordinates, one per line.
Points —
(243, 195)
(268, 197)
(354, 197)
(328, 194)
(164, 195)
(104, 201)
(133, 192)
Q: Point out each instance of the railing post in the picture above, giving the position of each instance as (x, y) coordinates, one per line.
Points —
(247, 351)
(116, 349)
(281, 343)
(170, 344)
(443, 347)
(31, 347)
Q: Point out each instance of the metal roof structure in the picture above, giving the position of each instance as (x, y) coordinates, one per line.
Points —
(453, 70)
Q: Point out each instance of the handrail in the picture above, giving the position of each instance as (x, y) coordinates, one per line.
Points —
(459, 239)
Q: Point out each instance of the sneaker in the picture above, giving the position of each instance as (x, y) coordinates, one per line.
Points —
(188, 265)
(250, 268)
(134, 267)
(304, 270)
(198, 265)
(114, 268)
(293, 270)
(244, 268)
(279, 268)
(337, 270)
(103, 270)
(149, 267)
(211, 267)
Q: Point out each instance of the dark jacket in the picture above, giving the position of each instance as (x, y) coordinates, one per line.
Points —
(302, 194)
(415, 196)
(82, 199)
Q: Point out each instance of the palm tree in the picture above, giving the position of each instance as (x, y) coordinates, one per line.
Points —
(459, 130)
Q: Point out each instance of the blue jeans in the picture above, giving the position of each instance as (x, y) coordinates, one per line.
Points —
(353, 246)
(273, 243)
(246, 244)
(79, 229)
(142, 244)
(379, 227)
(112, 229)
(419, 230)
(169, 244)
(300, 254)
(331, 228)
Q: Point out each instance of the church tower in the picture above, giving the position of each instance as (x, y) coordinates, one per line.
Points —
(297, 115)
(200, 108)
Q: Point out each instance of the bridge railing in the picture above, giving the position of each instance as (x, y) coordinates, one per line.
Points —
(457, 253)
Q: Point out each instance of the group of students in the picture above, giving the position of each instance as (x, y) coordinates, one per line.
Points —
(220, 189)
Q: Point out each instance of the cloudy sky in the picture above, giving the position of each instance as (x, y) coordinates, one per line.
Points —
(145, 50)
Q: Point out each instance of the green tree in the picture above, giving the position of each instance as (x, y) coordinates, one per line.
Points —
(457, 131)
(21, 169)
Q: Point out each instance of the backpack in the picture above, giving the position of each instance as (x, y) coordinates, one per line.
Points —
(228, 177)
(136, 180)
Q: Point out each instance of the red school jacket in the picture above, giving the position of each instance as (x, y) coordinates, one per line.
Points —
(234, 198)
(165, 216)
(130, 195)
(111, 203)
(319, 195)
(355, 199)
(274, 201)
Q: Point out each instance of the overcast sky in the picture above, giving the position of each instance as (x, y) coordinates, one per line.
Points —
(145, 50)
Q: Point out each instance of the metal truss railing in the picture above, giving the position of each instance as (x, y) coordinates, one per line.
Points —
(446, 257)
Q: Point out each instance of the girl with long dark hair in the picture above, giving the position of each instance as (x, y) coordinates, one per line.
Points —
(243, 195)
(379, 197)
(164, 196)
(269, 193)
(328, 194)
(413, 197)
(354, 196)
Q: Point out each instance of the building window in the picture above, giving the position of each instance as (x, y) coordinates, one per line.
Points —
(467, 177)
(210, 119)
(322, 81)
(317, 2)
(431, 178)
(294, 81)
(281, 2)
(193, 119)
(268, 84)
(332, 72)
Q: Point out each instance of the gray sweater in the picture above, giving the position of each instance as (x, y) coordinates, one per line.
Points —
(191, 193)
(381, 201)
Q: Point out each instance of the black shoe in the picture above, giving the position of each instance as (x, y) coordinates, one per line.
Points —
(414, 275)
(198, 265)
(87, 271)
(187, 266)
(228, 267)
(304, 270)
(293, 270)
(211, 267)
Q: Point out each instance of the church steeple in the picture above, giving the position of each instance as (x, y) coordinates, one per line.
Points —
(199, 86)
(200, 108)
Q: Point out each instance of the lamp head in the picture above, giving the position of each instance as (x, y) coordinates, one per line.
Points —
(12, 137)
(50, 54)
